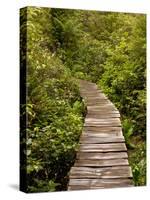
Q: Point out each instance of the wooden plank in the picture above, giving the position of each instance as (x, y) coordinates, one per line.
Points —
(97, 120)
(97, 99)
(93, 95)
(100, 102)
(110, 137)
(102, 147)
(98, 182)
(110, 112)
(101, 106)
(91, 89)
(101, 156)
(79, 184)
(102, 129)
(101, 109)
(86, 85)
(97, 96)
(101, 98)
(102, 123)
(106, 172)
(101, 163)
(97, 140)
(102, 134)
(102, 116)
(94, 99)
(97, 103)
(91, 92)
(101, 112)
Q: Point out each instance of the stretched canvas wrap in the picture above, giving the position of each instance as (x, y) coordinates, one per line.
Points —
(82, 99)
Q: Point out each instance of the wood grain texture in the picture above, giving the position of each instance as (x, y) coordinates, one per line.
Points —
(102, 147)
(102, 155)
(104, 129)
(84, 184)
(101, 163)
(102, 124)
(106, 172)
(100, 140)
(101, 116)
(97, 120)
(101, 134)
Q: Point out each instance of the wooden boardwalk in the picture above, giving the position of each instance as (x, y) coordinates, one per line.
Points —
(102, 160)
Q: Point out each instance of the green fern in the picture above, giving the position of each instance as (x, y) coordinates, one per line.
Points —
(128, 130)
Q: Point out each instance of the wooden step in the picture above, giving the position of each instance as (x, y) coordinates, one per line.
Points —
(101, 155)
(103, 129)
(102, 134)
(105, 172)
(100, 140)
(101, 163)
(97, 120)
(102, 147)
(102, 122)
(84, 184)
(102, 116)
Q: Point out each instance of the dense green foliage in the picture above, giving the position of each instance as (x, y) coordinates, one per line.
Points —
(62, 45)
(54, 109)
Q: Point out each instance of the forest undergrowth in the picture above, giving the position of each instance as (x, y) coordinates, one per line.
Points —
(65, 45)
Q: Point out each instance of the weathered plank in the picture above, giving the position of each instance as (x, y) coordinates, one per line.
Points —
(104, 172)
(103, 129)
(102, 107)
(101, 134)
(101, 163)
(102, 116)
(103, 121)
(102, 147)
(103, 112)
(102, 125)
(97, 98)
(93, 95)
(98, 103)
(80, 184)
(98, 139)
(101, 156)
(99, 122)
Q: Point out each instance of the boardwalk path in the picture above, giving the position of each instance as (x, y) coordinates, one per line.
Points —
(102, 160)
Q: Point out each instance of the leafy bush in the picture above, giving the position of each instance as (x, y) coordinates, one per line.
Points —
(54, 109)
